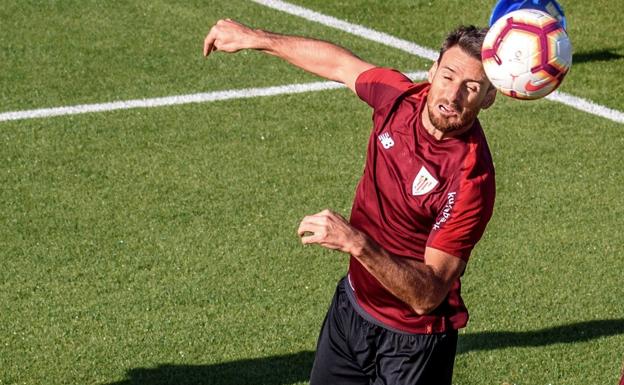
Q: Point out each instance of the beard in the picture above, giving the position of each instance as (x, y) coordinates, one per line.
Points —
(453, 123)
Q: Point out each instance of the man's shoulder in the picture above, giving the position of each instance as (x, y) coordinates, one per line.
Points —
(380, 86)
(481, 146)
(382, 75)
(470, 157)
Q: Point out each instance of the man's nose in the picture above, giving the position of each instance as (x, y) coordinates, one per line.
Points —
(455, 93)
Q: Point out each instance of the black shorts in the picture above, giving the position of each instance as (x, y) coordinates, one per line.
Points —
(353, 348)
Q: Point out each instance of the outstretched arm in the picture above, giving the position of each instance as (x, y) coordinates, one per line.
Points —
(319, 57)
(423, 286)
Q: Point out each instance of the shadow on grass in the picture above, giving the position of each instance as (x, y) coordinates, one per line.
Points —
(277, 370)
(293, 368)
(566, 334)
(595, 55)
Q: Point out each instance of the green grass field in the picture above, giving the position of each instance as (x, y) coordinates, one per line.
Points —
(158, 246)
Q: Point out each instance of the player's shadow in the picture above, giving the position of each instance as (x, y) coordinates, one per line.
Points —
(276, 370)
(596, 55)
(294, 368)
(565, 334)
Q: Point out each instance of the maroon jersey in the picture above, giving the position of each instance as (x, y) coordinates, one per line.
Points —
(417, 192)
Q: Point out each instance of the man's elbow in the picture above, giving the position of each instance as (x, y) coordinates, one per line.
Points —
(424, 310)
(427, 306)
(426, 302)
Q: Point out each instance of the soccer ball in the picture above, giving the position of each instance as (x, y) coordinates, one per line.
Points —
(526, 54)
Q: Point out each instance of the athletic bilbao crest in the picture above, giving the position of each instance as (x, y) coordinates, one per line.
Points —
(423, 183)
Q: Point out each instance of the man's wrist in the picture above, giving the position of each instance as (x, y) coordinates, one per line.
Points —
(359, 245)
(263, 40)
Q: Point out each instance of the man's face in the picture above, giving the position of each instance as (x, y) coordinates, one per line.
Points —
(459, 89)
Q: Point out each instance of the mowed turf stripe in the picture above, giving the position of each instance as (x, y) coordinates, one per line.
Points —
(369, 34)
(180, 99)
(415, 49)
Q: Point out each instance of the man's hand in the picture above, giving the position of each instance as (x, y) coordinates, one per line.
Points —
(330, 230)
(229, 36)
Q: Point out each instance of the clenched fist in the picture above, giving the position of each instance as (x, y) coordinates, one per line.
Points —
(229, 36)
(331, 230)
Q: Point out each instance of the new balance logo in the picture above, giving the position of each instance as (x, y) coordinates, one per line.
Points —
(423, 183)
(386, 140)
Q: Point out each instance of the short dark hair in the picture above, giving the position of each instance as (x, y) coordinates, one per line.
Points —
(468, 38)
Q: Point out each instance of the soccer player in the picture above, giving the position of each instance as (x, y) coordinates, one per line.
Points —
(423, 202)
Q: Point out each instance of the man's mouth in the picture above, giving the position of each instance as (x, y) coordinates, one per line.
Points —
(447, 110)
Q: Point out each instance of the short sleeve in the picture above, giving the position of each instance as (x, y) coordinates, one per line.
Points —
(462, 220)
(380, 86)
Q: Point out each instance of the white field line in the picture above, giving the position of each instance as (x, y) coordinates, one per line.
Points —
(587, 106)
(354, 29)
(404, 45)
(181, 99)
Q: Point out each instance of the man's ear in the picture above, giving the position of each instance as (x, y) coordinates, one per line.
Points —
(432, 71)
(489, 99)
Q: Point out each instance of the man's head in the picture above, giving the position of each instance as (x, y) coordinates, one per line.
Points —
(459, 86)
(468, 38)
